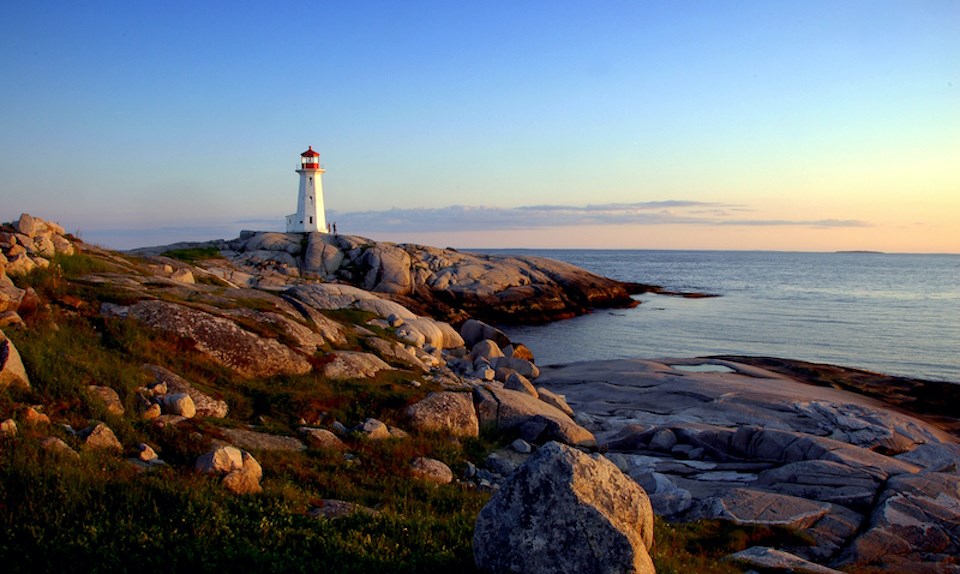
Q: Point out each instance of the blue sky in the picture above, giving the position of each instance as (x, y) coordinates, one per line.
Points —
(731, 125)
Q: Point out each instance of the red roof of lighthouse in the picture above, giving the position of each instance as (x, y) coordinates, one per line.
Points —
(310, 153)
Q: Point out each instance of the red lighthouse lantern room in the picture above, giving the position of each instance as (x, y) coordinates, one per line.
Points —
(310, 159)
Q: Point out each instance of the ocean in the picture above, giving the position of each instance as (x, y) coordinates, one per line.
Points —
(897, 314)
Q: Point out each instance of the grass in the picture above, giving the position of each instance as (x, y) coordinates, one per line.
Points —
(193, 254)
(97, 515)
(681, 548)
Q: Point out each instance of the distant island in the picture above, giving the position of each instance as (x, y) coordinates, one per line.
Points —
(861, 251)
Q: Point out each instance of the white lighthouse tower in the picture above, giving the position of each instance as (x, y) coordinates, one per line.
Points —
(310, 214)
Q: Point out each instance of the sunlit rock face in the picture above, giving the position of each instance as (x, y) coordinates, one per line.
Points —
(444, 283)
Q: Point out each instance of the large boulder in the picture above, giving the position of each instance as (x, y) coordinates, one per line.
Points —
(11, 366)
(516, 411)
(220, 460)
(10, 294)
(246, 479)
(431, 470)
(100, 437)
(321, 256)
(564, 511)
(107, 396)
(447, 412)
(388, 269)
(474, 331)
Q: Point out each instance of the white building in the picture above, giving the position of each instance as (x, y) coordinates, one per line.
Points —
(310, 213)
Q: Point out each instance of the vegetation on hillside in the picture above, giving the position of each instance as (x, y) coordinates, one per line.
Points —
(99, 513)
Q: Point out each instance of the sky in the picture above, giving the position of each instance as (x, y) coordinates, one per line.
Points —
(775, 125)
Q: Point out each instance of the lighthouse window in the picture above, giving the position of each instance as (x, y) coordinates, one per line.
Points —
(311, 220)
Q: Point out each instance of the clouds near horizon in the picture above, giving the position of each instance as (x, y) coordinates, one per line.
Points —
(456, 218)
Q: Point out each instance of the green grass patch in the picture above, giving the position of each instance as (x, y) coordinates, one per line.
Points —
(681, 548)
(193, 254)
(97, 515)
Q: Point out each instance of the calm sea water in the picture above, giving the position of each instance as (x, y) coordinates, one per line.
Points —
(892, 313)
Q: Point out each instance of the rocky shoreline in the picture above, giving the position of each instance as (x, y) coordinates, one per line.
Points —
(873, 487)
(446, 284)
(865, 467)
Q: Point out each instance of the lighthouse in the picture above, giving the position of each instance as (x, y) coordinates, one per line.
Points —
(309, 216)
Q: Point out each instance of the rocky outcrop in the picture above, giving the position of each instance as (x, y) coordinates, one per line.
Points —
(874, 488)
(26, 244)
(444, 283)
(564, 511)
(220, 339)
(914, 527)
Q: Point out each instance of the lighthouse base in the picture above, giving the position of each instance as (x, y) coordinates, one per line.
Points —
(308, 224)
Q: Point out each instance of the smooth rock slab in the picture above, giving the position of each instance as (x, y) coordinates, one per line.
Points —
(747, 506)
(340, 365)
(826, 481)
(253, 440)
(564, 511)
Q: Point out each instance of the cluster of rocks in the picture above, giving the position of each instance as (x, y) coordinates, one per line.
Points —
(872, 488)
(240, 471)
(443, 282)
(26, 244)
(96, 436)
